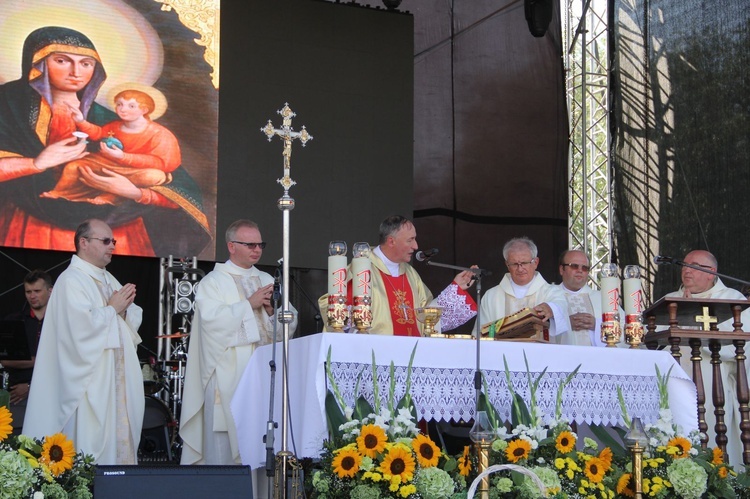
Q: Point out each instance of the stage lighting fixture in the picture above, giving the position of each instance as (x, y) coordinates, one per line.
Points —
(184, 298)
(391, 4)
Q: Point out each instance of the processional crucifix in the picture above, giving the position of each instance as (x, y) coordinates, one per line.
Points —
(284, 459)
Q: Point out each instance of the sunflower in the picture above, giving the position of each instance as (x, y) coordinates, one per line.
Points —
(464, 463)
(723, 472)
(623, 485)
(399, 462)
(565, 442)
(428, 454)
(371, 440)
(346, 463)
(682, 444)
(5, 423)
(717, 456)
(518, 449)
(57, 453)
(594, 469)
(606, 457)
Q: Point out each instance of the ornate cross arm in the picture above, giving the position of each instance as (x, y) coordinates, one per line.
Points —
(287, 134)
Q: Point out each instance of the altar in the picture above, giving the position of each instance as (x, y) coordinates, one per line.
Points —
(443, 383)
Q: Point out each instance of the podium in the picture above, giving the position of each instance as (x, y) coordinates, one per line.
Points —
(694, 321)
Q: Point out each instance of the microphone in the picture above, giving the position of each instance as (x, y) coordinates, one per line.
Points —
(423, 256)
(662, 260)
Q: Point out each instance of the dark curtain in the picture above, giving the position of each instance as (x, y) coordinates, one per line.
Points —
(491, 131)
(680, 128)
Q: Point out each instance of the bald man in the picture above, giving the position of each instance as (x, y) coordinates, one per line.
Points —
(699, 284)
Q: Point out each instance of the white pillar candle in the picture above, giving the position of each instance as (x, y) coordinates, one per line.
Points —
(337, 275)
(609, 284)
(361, 272)
(632, 296)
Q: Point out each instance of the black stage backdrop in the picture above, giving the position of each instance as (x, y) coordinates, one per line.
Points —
(347, 73)
(681, 125)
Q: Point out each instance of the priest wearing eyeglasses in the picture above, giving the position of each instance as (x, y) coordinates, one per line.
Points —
(87, 380)
(584, 303)
(524, 287)
(233, 315)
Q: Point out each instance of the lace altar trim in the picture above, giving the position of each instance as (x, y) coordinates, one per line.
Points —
(445, 394)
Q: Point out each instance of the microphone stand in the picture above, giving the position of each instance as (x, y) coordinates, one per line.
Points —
(317, 317)
(271, 425)
(478, 273)
(680, 263)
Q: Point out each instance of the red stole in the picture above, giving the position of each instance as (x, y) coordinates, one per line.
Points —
(401, 305)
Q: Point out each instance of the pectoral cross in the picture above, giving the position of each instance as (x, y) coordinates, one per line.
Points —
(706, 319)
(287, 133)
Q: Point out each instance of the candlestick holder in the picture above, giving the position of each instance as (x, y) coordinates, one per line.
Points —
(337, 313)
(482, 434)
(634, 330)
(637, 440)
(362, 313)
(611, 332)
(429, 316)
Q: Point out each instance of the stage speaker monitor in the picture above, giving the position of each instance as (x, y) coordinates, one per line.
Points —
(198, 481)
(538, 16)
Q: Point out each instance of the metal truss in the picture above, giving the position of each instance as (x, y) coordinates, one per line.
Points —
(586, 63)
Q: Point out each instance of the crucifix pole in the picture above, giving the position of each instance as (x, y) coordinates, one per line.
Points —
(285, 316)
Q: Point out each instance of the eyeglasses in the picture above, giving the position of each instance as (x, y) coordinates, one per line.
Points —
(105, 240)
(250, 245)
(519, 265)
(576, 266)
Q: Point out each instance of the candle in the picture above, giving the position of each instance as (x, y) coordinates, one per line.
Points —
(337, 268)
(632, 295)
(609, 283)
(361, 270)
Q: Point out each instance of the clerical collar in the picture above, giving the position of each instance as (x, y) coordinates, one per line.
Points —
(93, 269)
(393, 267)
(568, 290)
(97, 273)
(518, 290)
(236, 269)
(703, 294)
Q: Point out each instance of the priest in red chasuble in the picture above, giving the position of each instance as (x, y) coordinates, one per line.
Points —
(397, 289)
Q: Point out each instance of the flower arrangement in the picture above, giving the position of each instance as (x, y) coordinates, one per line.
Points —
(379, 452)
(674, 466)
(48, 468)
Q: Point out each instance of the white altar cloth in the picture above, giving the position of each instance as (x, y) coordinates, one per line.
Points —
(443, 386)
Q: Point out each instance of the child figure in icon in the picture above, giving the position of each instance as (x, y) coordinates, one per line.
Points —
(134, 146)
